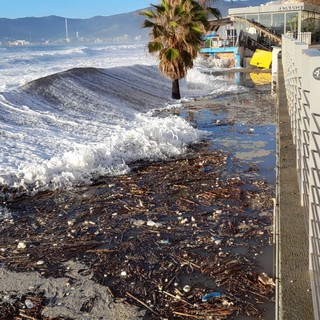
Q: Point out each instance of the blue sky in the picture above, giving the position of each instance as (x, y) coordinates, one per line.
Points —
(69, 8)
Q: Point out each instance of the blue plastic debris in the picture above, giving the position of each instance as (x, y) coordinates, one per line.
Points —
(211, 296)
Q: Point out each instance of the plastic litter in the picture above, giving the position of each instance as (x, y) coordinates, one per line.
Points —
(186, 288)
(151, 223)
(29, 304)
(211, 295)
(164, 241)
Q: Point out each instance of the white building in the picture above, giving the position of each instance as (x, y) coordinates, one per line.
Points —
(281, 17)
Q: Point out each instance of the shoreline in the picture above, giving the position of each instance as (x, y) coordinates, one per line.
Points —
(198, 214)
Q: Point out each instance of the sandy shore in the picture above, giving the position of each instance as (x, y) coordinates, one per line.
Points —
(66, 297)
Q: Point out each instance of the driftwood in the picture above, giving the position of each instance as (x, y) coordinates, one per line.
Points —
(166, 234)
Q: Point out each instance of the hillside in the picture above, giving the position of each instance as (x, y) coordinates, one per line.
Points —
(125, 26)
(53, 28)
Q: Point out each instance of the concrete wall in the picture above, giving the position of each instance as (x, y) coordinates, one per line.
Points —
(301, 67)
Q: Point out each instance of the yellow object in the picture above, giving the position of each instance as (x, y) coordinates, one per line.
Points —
(261, 59)
(260, 79)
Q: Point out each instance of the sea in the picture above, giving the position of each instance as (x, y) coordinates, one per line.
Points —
(71, 113)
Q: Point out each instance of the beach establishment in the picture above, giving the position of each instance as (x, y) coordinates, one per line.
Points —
(252, 32)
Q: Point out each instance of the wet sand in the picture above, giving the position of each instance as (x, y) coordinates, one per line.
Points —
(155, 242)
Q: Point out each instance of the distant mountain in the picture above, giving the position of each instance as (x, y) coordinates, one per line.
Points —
(54, 28)
(124, 26)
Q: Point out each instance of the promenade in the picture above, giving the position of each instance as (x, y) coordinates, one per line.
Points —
(295, 294)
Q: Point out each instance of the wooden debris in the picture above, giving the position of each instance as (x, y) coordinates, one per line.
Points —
(141, 302)
(148, 234)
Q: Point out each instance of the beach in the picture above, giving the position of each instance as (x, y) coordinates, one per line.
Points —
(189, 236)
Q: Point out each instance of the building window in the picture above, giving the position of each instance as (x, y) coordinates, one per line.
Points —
(291, 21)
(265, 20)
(310, 22)
(252, 17)
(278, 23)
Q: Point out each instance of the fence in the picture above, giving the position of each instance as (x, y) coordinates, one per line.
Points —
(302, 81)
(301, 36)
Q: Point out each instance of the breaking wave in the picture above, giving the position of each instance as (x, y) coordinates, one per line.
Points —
(70, 127)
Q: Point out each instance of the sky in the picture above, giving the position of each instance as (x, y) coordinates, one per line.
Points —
(69, 8)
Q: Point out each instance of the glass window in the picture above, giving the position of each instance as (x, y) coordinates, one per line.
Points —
(265, 20)
(252, 17)
(292, 21)
(310, 22)
(317, 29)
(278, 23)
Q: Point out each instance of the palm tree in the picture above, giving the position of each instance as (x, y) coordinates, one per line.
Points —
(177, 27)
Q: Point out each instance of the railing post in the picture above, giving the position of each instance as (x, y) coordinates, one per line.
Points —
(275, 53)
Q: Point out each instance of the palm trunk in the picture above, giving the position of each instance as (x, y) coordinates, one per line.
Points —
(175, 89)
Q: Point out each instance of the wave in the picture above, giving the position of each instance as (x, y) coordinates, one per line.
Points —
(44, 56)
(116, 47)
(56, 53)
(71, 127)
(19, 66)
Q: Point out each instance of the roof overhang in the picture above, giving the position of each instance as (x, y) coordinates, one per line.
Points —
(214, 25)
(275, 7)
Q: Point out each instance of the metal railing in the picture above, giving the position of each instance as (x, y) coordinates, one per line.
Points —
(259, 27)
(301, 36)
(302, 81)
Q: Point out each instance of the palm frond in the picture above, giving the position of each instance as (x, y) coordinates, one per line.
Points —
(155, 46)
(171, 54)
(215, 12)
(178, 11)
(147, 24)
(166, 5)
(148, 13)
(197, 29)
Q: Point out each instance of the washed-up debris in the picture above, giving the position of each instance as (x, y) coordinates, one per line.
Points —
(21, 245)
(211, 295)
(170, 237)
(224, 122)
(29, 306)
(266, 280)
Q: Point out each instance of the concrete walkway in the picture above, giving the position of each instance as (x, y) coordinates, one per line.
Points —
(294, 291)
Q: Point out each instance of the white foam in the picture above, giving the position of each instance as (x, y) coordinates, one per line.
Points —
(75, 162)
(206, 84)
